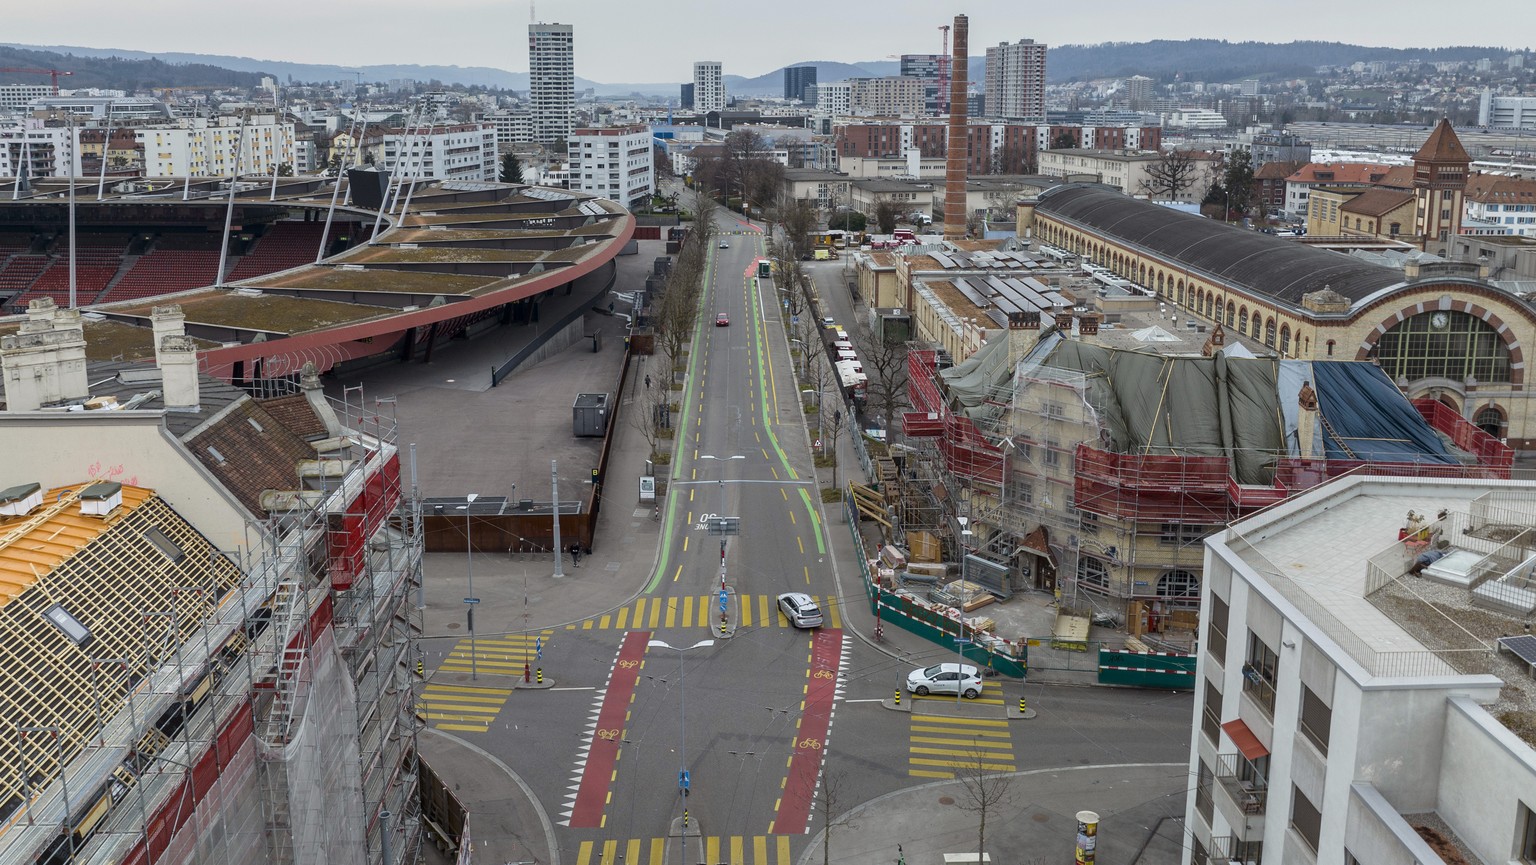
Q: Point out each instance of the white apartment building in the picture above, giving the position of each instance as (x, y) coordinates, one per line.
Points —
(463, 151)
(17, 97)
(1195, 118)
(708, 86)
(1016, 81)
(887, 97)
(1342, 705)
(551, 80)
(120, 108)
(1125, 170)
(208, 147)
(514, 126)
(615, 163)
(834, 98)
(44, 150)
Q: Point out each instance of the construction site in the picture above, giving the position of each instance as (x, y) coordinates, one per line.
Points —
(1048, 461)
(207, 623)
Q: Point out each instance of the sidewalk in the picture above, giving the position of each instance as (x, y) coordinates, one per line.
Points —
(506, 822)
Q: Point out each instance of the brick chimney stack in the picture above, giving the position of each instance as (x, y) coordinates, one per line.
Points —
(957, 153)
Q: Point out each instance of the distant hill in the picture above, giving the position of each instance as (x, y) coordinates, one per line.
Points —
(113, 70)
(827, 71)
(1219, 60)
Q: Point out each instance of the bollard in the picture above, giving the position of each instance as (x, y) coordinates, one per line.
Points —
(527, 673)
(898, 696)
(685, 821)
(421, 668)
(541, 678)
(1021, 705)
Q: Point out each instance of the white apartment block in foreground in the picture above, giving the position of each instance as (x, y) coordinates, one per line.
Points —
(1343, 706)
(463, 151)
(207, 147)
(616, 163)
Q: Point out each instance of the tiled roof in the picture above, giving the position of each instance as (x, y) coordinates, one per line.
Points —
(1399, 177)
(1340, 172)
(1442, 145)
(1263, 265)
(1277, 170)
(1377, 202)
(1499, 189)
(248, 457)
(296, 414)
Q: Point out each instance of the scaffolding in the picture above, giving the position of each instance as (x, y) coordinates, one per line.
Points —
(262, 715)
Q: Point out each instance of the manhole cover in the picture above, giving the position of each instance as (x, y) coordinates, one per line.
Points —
(1040, 818)
(946, 800)
(453, 626)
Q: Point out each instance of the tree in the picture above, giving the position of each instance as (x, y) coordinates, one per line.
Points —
(1066, 139)
(285, 170)
(886, 214)
(848, 220)
(981, 792)
(885, 362)
(511, 168)
(1238, 180)
(832, 424)
(798, 217)
(1173, 172)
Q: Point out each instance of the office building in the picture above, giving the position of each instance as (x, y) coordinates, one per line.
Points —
(513, 126)
(18, 97)
(799, 79)
(1016, 81)
(834, 98)
(685, 95)
(551, 80)
(708, 86)
(886, 97)
(1379, 707)
(615, 163)
(1506, 112)
(929, 69)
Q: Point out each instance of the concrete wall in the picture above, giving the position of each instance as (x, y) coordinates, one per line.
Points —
(1487, 772)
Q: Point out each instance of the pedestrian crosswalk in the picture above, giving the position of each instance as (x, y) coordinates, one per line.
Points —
(942, 745)
(719, 849)
(500, 656)
(461, 708)
(703, 611)
(991, 695)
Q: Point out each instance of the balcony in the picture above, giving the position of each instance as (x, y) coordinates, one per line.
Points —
(1243, 782)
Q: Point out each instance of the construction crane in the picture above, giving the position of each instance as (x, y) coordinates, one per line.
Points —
(53, 73)
(944, 72)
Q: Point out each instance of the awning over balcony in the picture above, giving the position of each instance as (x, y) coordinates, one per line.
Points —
(1243, 738)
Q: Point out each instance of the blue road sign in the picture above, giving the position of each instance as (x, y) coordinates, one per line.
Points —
(471, 600)
(723, 597)
(538, 649)
(959, 641)
(682, 779)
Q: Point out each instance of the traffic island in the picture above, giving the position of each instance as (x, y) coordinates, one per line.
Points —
(686, 830)
(1021, 712)
(898, 703)
(535, 680)
(727, 613)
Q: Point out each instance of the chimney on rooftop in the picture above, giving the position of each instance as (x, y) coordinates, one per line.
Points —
(956, 157)
(177, 356)
(166, 321)
(44, 362)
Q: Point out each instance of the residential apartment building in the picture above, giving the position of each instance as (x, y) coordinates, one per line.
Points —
(551, 80)
(122, 109)
(1125, 170)
(465, 151)
(615, 163)
(1501, 205)
(708, 86)
(44, 150)
(1343, 713)
(834, 98)
(1015, 85)
(1339, 175)
(800, 84)
(513, 126)
(216, 146)
(1267, 147)
(931, 70)
(886, 97)
(992, 148)
(19, 97)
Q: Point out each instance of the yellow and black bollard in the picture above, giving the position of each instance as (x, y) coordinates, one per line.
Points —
(541, 679)
(1022, 707)
(421, 668)
(685, 821)
(898, 696)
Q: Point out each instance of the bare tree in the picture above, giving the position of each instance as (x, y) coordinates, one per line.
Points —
(885, 361)
(798, 217)
(886, 214)
(982, 791)
(652, 416)
(834, 808)
(832, 425)
(1173, 172)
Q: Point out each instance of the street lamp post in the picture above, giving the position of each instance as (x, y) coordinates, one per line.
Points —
(683, 781)
(470, 600)
(721, 515)
(965, 532)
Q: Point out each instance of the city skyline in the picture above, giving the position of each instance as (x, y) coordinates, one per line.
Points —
(619, 48)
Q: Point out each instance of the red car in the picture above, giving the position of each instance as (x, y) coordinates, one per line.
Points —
(722, 320)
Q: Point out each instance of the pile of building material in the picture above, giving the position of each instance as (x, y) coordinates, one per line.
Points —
(962, 594)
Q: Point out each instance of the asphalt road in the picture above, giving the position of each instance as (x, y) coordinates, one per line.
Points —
(762, 720)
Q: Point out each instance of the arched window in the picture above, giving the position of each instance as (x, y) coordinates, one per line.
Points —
(1285, 339)
(1160, 289)
(1444, 344)
(1269, 332)
(1242, 320)
(1330, 345)
(1490, 419)
(1231, 313)
(1179, 589)
(1092, 575)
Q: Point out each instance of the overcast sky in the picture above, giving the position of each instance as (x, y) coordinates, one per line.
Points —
(636, 41)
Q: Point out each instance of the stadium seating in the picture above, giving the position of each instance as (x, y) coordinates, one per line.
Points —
(286, 245)
(162, 271)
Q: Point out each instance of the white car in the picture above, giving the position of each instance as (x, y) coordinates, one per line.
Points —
(963, 679)
(800, 609)
(725, 244)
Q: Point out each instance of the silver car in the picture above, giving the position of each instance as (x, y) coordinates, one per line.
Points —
(963, 679)
(801, 611)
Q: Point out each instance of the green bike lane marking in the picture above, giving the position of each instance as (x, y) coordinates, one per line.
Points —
(682, 438)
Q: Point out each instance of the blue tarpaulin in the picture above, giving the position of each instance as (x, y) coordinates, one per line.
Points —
(1371, 418)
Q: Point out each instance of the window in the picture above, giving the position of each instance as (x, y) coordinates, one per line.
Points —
(1269, 332)
(67, 623)
(1259, 673)
(1216, 627)
(1052, 453)
(1305, 818)
(1204, 804)
(1526, 849)
(1092, 574)
(1180, 589)
(1210, 714)
(1242, 320)
(1181, 534)
(1490, 420)
(1285, 339)
(1316, 719)
(1444, 344)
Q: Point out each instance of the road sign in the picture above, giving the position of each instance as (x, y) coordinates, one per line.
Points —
(471, 600)
(724, 525)
(683, 781)
(816, 445)
(962, 641)
(723, 597)
(538, 648)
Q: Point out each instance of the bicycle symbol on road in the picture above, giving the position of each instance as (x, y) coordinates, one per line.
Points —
(628, 664)
(810, 744)
(822, 674)
(607, 735)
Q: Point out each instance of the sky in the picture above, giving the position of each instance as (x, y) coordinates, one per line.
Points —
(623, 41)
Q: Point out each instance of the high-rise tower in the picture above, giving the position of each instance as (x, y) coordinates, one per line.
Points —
(708, 86)
(551, 80)
(1016, 81)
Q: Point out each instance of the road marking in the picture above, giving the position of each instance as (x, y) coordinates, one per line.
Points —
(807, 574)
(870, 700)
(792, 519)
(576, 688)
(958, 743)
(460, 708)
(811, 730)
(586, 805)
(801, 544)
(816, 527)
